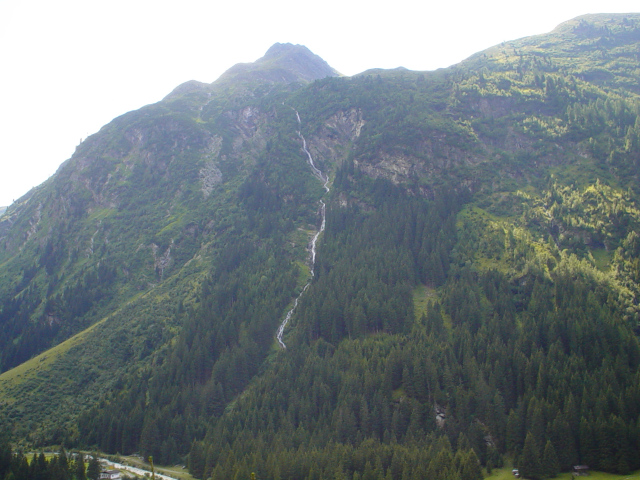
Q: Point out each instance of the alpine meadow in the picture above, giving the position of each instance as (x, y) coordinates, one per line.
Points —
(290, 274)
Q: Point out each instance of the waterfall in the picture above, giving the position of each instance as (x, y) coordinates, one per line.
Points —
(323, 210)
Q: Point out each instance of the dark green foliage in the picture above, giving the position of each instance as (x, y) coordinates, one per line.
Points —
(215, 361)
(6, 459)
(93, 469)
(530, 464)
(350, 298)
(550, 463)
(15, 466)
(520, 364)
(79, 470)
(470, 468)
(475, 293)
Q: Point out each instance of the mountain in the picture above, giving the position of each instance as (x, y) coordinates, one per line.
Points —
(161, 153)
(458, 251)
(283, 62)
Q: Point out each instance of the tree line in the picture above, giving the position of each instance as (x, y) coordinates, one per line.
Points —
(15, 465)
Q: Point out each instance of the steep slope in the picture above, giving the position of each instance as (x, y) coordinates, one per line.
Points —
(476, 292)
(125, 233)
(131, 200)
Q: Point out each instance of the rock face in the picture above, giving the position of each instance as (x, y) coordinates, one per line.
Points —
(335, 139)
(441, 416)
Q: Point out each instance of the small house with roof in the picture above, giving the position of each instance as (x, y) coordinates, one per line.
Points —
(110, 475)
(580, 470)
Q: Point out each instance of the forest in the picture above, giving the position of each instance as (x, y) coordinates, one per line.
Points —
(491, 366)
(473, 304)
(61, 466)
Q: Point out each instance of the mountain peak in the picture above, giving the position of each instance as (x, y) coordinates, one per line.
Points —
(278, 50)
(283, 48)
(283, 63)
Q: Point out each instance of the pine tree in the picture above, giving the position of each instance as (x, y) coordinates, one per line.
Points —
(38, 467)
(150, 439)
(59, 467)
(79, 470)
(197, 459)
(94, 468)
(530, 459)
(550, 463)
(564, 442)
(5, 458)
(470, 468)
(22, 471)
(515, 430)
(587, 444)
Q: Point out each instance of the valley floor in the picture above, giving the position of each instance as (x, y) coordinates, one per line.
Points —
(505, 474)
(135, 465)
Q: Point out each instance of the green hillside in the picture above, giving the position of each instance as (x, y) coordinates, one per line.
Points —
(474, 295)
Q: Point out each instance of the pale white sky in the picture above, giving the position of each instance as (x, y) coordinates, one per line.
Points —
(67, 67)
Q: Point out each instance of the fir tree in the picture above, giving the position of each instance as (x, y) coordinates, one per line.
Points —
(470, 468)
(94, 468)
(530, 459)
(79, 468)
(550, 463)
(5, 458)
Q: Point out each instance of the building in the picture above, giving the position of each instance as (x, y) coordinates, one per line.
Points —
(580, 470)
(110, 475)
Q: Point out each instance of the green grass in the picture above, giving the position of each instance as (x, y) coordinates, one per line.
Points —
(602, 258)
(505, 474)
(422, 295)
(175, 471)
(303, 274)
(11, 379)
(604, 476)
(501, 473)
(99, 214)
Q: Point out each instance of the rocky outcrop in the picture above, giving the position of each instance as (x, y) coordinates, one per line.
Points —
(161, 261)
(335, 139)
(210, 175)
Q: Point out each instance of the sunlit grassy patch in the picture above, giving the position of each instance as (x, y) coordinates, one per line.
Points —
(422, 295)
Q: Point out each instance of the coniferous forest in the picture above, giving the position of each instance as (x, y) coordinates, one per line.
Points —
(61, 466)
(473, 302)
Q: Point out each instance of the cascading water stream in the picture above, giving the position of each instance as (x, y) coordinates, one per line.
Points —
(323, 211)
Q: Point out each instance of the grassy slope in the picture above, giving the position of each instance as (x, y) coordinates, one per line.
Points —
(52, 388)
(11, 380)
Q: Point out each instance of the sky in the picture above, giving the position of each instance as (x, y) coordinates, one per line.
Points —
(68, 67)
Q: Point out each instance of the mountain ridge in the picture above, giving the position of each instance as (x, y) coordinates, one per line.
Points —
(479, 261)
(282, 63)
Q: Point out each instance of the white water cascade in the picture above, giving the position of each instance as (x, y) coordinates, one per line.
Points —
(323, 210)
